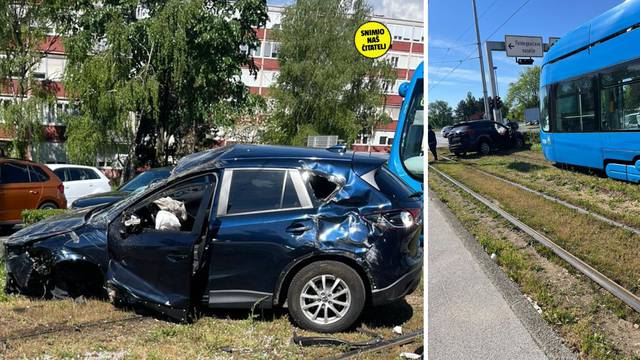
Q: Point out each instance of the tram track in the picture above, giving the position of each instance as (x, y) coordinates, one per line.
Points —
(551, 198)
(602, 280)
(46, 330)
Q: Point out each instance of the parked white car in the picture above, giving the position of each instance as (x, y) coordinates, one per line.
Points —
(80, 180)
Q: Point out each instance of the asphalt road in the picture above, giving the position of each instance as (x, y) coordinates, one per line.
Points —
(475, 311)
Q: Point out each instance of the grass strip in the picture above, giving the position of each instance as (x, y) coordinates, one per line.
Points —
(579, 326)
(609, 249)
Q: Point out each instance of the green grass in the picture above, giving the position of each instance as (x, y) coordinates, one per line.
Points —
(609, 249)
(611, 198)
(3, 278)
(578, 325)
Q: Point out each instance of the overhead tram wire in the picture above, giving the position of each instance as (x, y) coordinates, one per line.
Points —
(493, 33)
(509, 18)
(431, 86)
(469, 27)
(451, 61)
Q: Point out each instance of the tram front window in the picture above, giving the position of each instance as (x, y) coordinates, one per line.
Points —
(411, 149)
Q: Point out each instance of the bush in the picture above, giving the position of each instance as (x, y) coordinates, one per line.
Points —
(32, 216)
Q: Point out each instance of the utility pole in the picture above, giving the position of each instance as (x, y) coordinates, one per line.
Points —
(484, 81)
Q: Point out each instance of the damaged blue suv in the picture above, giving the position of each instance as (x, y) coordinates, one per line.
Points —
(321, 233)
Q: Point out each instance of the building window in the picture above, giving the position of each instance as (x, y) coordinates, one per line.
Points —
(418, 34)
(389, 141)
(257, 51)
(383, 140)
(394, 61)
(271, 49)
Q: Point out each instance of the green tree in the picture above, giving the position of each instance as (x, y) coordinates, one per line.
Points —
(155, 73)
(23, 44)
(523, 93)
(325, 86)
(468, 107)
(440, 114)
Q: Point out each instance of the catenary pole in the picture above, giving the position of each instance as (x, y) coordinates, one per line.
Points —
(484, 80)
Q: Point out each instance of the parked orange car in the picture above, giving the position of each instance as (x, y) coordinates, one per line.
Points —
(27, 185)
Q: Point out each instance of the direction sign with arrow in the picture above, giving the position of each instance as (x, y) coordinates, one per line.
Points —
(524, 46)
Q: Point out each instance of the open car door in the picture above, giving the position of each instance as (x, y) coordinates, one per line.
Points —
(153, 265)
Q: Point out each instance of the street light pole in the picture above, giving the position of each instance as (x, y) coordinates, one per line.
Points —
(484, 81)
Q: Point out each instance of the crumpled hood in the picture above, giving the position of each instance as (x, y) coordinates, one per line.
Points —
(54, 225)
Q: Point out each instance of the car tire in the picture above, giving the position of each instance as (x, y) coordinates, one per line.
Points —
(519, 143)
(47, 206)
(338, 304)
(484, 148)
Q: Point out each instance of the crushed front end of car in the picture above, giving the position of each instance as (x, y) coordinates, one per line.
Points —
(60, 256)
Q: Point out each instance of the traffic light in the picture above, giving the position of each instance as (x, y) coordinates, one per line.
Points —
(491, 103)
(498, 102)
(524, 61)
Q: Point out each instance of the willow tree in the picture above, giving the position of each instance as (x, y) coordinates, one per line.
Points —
(23, 45)
(325, 86)
(150, 73)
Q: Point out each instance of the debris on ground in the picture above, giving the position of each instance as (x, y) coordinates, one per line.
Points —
(397, 330)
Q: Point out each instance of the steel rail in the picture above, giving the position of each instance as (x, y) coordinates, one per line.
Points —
(552, 198)
(611, 286)
(70, 327)
(382, 345)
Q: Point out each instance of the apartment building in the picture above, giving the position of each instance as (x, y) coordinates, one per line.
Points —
(406, 53)
(407, 49)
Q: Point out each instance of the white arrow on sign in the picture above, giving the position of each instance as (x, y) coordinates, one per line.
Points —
(524, 46)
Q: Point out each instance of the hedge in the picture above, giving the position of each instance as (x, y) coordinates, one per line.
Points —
(32, 216)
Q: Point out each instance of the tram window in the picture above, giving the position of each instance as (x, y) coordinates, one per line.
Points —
(575, 106)
(544, 109)
(621, 107)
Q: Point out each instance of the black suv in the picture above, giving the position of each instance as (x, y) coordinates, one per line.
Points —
(483, 136)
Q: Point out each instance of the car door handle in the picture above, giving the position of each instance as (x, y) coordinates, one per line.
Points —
(175, 257)
(34, 192)
(298, 228)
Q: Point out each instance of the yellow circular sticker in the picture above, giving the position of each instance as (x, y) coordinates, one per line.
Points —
(372, 39)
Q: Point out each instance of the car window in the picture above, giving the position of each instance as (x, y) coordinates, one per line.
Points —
(145, 179)
(259, 190)
(12, 173)
(176, 208)
(77, 174)
(37, 174)
(255, 190)
(322, 187)
(61, 173)
(90, 174)
(289, 195)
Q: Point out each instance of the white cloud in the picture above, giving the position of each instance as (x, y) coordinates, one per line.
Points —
(400, 9)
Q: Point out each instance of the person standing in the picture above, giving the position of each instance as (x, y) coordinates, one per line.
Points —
(431, 139)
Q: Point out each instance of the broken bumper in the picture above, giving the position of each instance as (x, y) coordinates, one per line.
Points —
(402, 287)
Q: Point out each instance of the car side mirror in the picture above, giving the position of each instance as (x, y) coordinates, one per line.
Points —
(131, 224)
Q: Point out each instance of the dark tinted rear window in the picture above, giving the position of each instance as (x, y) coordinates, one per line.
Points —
(255, 190)
(37, 174)
(61, 174)
(390, 184)
(13, 173)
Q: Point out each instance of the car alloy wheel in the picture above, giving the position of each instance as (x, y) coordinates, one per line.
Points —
(485, 149)
(48, 206)
(326, 296)
(325, 299)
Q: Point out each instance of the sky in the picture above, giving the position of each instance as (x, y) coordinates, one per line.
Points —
(452, 38)
(402, 9)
